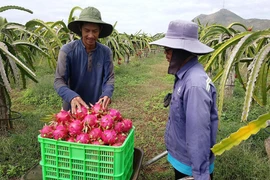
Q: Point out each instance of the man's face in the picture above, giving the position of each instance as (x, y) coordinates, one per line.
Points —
(168, 52)
(90, 33)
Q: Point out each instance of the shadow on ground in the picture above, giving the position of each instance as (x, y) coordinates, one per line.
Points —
(33, 174)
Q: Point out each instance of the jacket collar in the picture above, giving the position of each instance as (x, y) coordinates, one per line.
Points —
(180, 74)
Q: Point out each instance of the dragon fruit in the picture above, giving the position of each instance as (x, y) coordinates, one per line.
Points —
(107, 122)
(90, 120)
(75, 127)
(83, 138)
(95, 134)
(63, 116)
(115, 114)
(119, 126)
(109, 136)
(97, 109)
(60, 132)
(81, 114)
(71, 139)
(46, 131)
(127, 125)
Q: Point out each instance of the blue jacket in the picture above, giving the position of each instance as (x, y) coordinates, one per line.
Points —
(193, 120)
(88, 75)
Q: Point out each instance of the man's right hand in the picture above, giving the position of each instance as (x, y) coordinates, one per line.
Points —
(76, 103)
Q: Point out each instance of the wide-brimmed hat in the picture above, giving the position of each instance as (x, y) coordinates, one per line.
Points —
(183, 35)
(91, 15)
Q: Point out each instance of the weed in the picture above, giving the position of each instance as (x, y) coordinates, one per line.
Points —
(140, 87)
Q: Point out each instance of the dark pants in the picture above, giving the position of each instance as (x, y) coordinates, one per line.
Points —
(179, 175)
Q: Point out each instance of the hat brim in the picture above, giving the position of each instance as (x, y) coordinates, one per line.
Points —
(106, 30)
(193, 46)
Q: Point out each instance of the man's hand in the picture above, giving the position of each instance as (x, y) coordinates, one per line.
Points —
(77, 102)
(104, 101)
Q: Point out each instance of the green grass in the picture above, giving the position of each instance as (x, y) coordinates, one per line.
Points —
(139, 91)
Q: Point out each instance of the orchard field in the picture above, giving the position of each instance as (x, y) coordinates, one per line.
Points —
(239, 68)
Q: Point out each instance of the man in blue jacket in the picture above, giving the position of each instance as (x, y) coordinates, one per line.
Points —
(84, 73)
(193, 119)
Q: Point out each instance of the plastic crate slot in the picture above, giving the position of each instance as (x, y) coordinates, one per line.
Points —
(106, 177)
(63, 151)
(91, 157)
(63, 162)
(50, 160)
(65, 174)
(91, 166)
(49, 149)
(107, 159)
(90, 176)
(92, 169)
(92, 152)
(51, 171)
(77, 165)
(106, 170)
(77, 175)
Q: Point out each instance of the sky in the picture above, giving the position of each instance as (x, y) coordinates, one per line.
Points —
(134, 16)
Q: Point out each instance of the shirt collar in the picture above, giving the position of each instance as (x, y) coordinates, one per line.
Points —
(186, 67)
(97, 45)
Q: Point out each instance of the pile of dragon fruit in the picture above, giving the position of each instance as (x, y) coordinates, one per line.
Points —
(90, 126)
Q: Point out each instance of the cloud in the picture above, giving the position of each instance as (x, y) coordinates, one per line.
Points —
(150, 16)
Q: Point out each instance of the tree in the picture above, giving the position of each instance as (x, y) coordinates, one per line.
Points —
(247, 53)
(15, 60)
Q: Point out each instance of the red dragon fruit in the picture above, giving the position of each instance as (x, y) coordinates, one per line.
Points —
(71, 139)
(60, 132)
(117, 144)
(121, 137)
(63, 116)
(81, 114)
(83, 138)
(75, 127)
(109, 136)
(116, 115)
(95, 134)
(107, 122)
(90, 120)
(119, 126)
(98, 142)
(46, 131)
(97, 109)
(127, 125)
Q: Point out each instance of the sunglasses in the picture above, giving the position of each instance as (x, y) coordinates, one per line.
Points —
(167, 49)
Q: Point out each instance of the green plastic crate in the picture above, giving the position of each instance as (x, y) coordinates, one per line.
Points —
(64, 160)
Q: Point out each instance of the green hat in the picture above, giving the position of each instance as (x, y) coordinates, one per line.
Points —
(91, 15)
